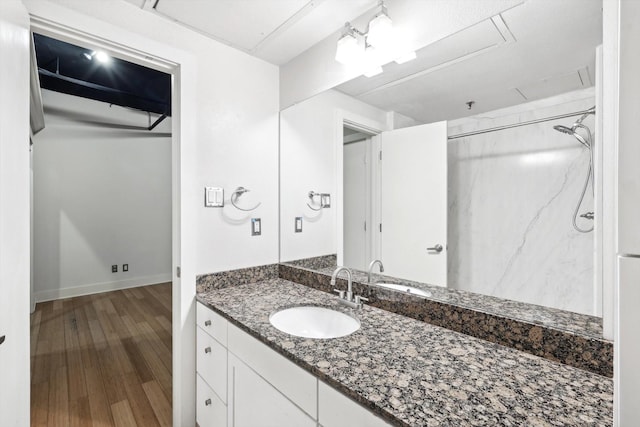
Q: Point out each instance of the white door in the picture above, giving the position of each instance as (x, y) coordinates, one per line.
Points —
(355, 212)
(14, 213)
(414, 203)
(252, 401)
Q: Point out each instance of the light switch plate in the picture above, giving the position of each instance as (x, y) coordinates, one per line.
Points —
(298, 224)
(256, 226)
(325, 200)
(213, 197)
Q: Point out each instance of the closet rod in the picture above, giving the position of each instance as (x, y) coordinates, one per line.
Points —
(530, 122)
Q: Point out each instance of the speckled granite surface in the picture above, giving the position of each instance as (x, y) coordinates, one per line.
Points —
(223, 279)
(413, 373)
(316, 263)
(557, 335)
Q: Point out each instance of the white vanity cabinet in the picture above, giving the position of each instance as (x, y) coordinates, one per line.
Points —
(242, 382)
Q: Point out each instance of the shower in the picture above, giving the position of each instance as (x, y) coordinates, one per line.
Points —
(587, 142)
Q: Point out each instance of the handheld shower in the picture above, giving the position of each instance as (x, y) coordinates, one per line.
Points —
(572, 131)
(587, 142)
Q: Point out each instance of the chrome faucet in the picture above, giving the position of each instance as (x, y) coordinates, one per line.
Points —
(374, 262)
(347, 298)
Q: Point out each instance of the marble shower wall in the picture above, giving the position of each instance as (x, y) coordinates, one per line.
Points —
(512, 194)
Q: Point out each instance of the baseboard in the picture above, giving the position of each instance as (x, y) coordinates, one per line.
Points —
(96, 288)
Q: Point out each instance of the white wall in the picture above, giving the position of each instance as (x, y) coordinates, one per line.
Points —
(102, 196)
(308, 153)
(227, 130)
(14, 214)
(512, 195)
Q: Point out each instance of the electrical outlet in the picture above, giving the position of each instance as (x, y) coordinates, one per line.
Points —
(114, 268)
(125, 267)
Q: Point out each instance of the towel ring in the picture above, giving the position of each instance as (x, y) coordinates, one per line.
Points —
(313, 194)
(236, 194)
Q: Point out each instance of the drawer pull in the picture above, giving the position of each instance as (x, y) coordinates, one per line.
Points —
(207, 402)
(207, 323)
(207, 350)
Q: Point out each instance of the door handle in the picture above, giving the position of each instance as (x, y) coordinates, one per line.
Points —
(2, 339)
(437, 248)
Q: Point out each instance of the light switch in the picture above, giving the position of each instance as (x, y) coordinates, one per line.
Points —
(256, 227)
(213, 197)
(298, 224)
(325, 200)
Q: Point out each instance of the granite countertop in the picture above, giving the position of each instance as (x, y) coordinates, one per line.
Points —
(576, 323)
(416, 374)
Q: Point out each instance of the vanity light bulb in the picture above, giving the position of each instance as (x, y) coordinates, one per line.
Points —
(380, 30)
(348, 50)
(372, 62)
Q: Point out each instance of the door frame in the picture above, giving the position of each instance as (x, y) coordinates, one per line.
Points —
(58, 22)
(370, 177)
(369, 126)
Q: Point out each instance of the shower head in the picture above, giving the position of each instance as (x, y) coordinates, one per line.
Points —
(572, 131)
(564, 129)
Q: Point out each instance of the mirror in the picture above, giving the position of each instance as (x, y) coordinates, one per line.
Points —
(486, 154)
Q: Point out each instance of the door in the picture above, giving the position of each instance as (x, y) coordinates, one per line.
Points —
(252, 401)
(414, 203)
(14, 214)
(356, 202)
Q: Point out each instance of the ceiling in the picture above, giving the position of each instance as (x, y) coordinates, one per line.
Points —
(67, 68)
(532, 51)
(537, 49)
(274, 30)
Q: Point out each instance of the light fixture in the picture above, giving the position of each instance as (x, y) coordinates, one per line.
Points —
(370, 50)
(100, 56)
(380, 28)
(348, 50)
(373, 60)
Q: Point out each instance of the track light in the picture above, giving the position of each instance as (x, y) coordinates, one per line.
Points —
(100, 56)
(370, 50)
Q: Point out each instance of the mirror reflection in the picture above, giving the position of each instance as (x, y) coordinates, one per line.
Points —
(473, 167)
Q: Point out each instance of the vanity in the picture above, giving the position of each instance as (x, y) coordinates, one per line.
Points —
(393, 370)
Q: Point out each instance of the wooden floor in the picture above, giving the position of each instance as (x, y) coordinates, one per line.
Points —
(103, 360)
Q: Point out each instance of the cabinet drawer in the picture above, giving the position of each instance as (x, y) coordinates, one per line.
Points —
(210, 411)
(211, 363)
(337, 410)
(291, 380)
(212, 323)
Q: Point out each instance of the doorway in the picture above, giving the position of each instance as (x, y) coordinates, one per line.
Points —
(358, 174)
(112, 336)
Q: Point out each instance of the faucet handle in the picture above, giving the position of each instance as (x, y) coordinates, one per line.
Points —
(340, 293)
(359, 299)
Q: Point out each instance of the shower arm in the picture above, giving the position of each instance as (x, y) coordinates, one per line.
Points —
(591, 110)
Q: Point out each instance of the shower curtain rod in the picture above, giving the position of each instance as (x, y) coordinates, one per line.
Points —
(515, 125)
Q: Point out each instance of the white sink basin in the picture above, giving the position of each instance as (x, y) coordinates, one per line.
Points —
(405, 289)
(314, 322)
